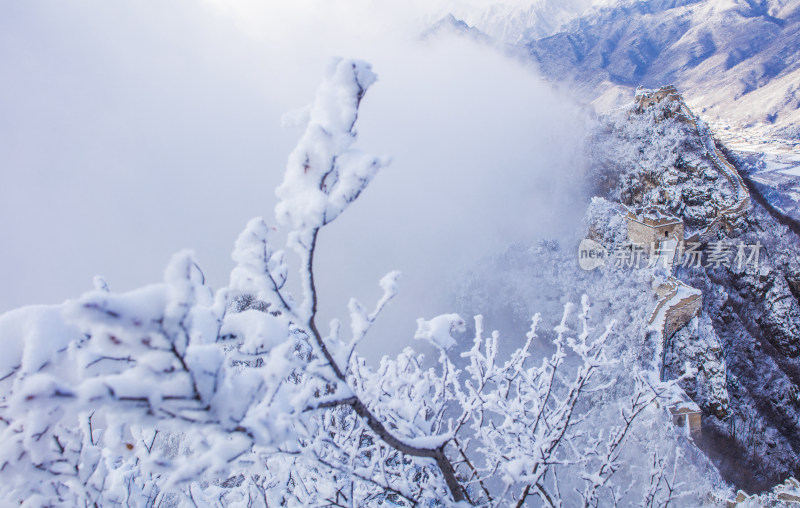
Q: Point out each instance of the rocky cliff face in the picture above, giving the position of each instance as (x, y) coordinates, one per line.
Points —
(698, 346)
(756, 315)
(745, 344)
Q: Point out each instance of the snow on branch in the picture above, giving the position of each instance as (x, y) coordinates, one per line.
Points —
(260, 270)
(325, 174)
(175, 394)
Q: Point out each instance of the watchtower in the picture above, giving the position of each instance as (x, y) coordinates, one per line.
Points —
(688, 415)
(650, 227)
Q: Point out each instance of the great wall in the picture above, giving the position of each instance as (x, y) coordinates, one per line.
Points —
(727, 217)
(675, 344)
(675, 308)
(678, 303)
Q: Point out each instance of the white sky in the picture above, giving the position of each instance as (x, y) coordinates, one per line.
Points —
(130, 130)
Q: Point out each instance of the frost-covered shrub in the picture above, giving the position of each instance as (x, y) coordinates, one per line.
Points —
(177, 394)
(606, 223)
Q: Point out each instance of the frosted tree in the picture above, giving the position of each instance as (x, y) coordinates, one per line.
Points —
(174, 394)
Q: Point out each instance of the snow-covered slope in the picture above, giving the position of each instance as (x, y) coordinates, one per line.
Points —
(736, 61)
(744, 341)
(651, 157)
(515, 23)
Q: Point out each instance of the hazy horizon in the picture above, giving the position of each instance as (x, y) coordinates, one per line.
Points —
(133, 132)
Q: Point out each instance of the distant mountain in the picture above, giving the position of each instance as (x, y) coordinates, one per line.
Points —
(514, 24)
(451, 24)
(737, 62)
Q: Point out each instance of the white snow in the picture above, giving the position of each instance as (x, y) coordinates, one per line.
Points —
(439, 330)
(31, 337)
(324, 174)
(258, 331)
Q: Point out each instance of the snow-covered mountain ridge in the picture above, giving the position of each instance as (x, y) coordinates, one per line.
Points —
(744, 342)
(654, 157)
(510, 23)
(737, 62)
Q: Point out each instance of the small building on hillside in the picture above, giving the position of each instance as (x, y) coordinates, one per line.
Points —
(688, 415)
(650, 227)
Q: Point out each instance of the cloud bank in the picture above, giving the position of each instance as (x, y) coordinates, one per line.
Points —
(132, 130)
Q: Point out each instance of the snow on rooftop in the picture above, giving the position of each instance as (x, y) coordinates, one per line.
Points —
(655, 214)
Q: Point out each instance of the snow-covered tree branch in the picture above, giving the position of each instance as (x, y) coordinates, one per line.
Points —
(178, 394)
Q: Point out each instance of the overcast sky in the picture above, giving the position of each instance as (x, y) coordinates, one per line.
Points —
(130, 130)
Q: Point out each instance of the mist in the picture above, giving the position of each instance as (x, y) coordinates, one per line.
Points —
(131, 131)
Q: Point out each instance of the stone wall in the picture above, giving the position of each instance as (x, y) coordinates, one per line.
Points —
(678, 315)
(639, 234)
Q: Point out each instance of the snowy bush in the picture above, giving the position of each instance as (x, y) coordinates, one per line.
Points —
(174, 394)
